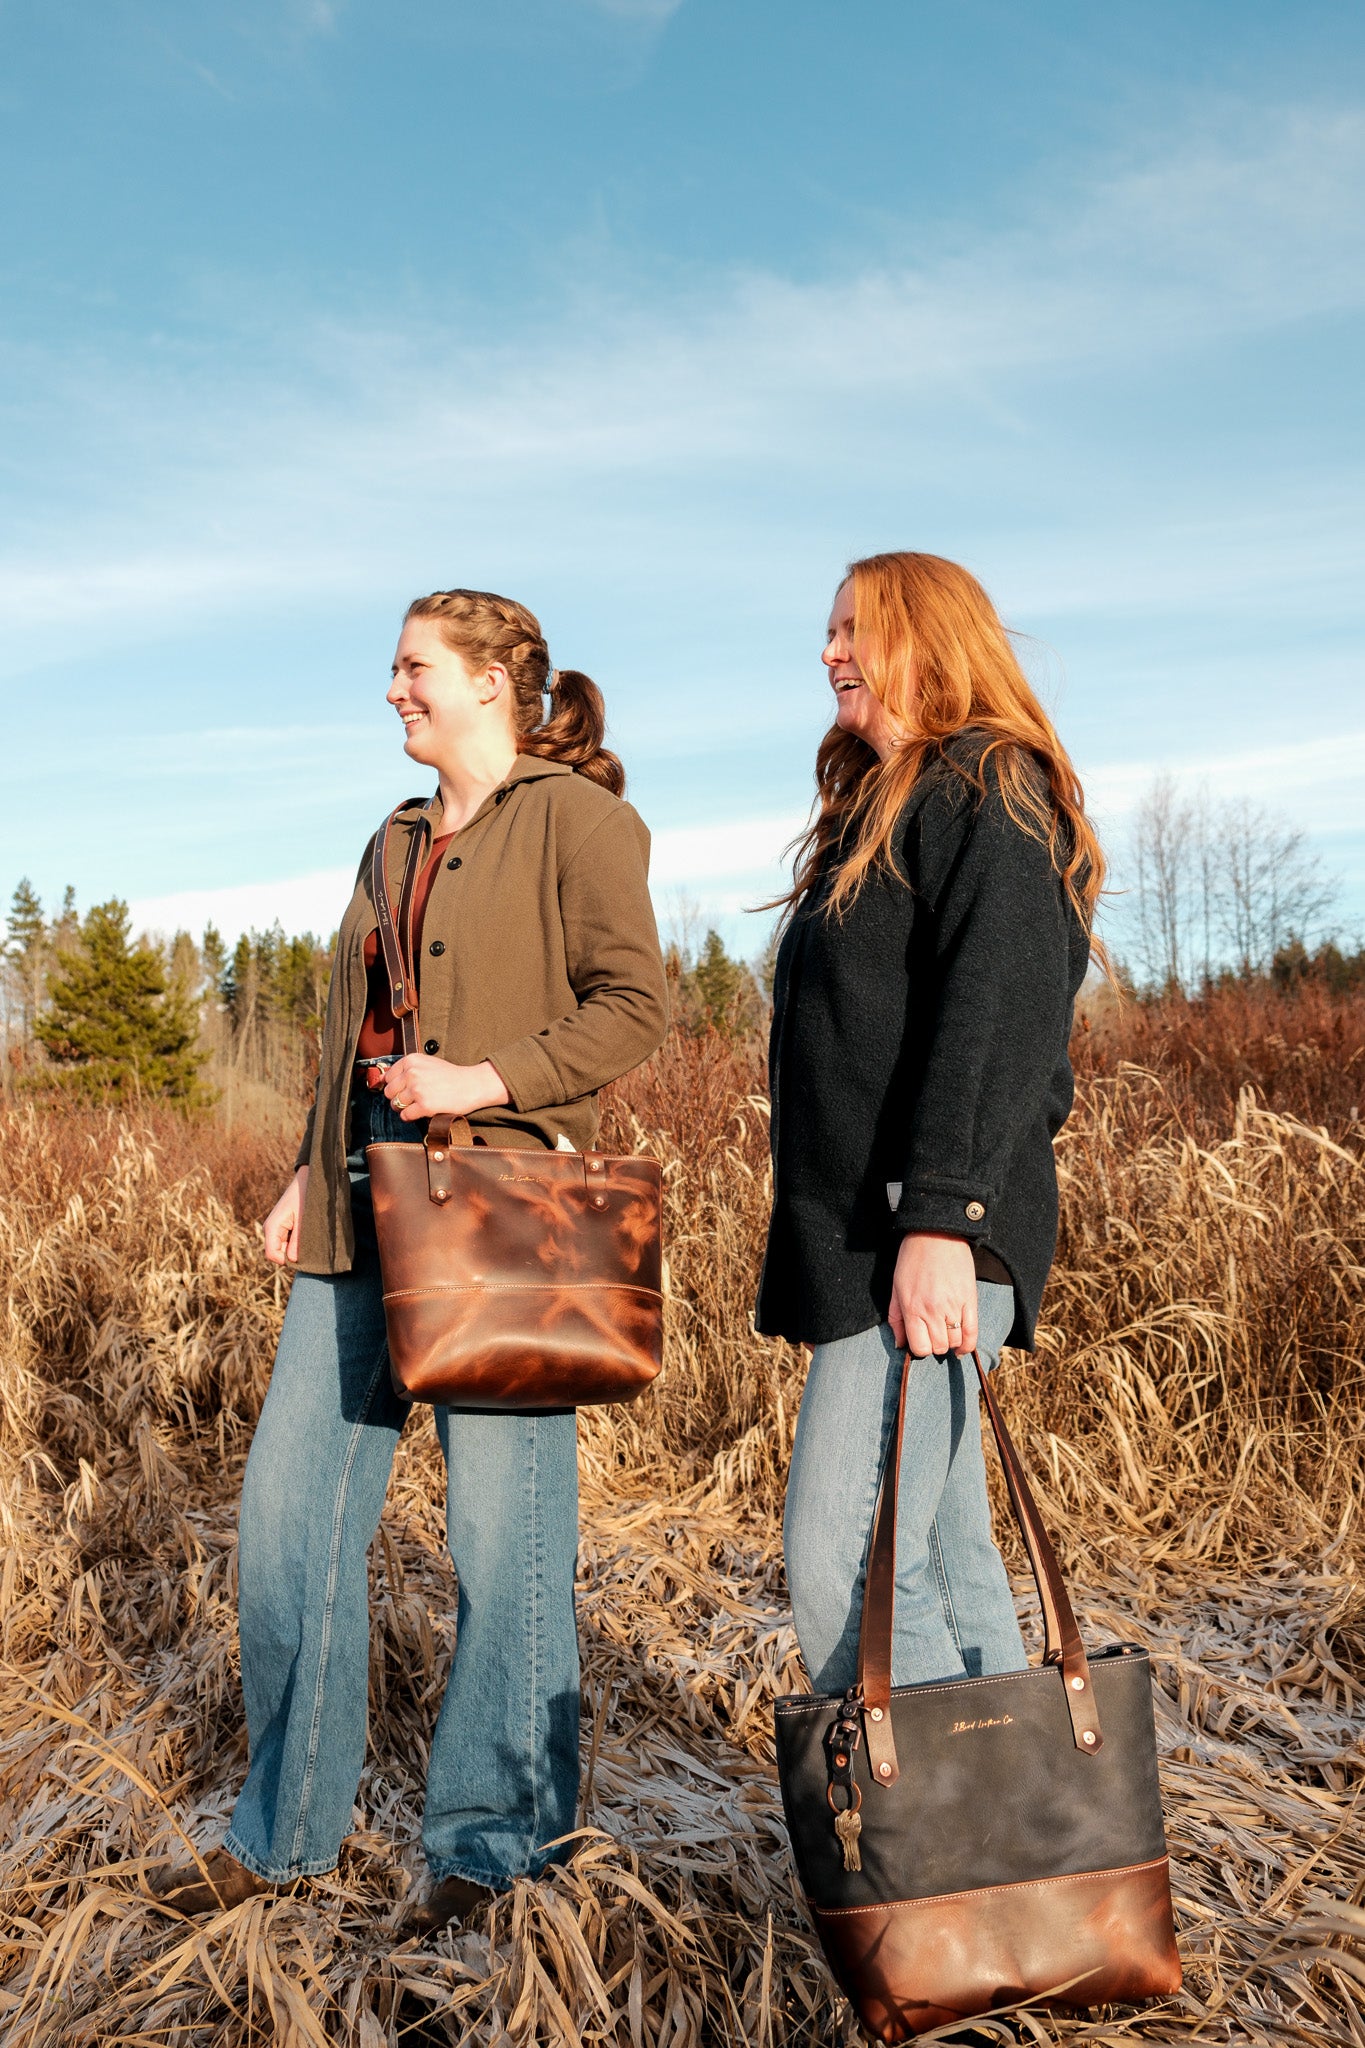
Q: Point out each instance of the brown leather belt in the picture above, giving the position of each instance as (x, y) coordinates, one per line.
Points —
(371, 1072)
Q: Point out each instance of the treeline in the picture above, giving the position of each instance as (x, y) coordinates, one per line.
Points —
(95, 1010)
(91, 1009)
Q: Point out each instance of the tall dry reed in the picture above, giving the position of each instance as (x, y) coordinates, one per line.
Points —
(1193, 1415)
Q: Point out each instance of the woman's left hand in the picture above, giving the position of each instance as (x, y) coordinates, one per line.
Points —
(420, 1086)
(933, 1296)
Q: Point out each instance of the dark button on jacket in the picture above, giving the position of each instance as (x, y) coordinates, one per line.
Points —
(921, 1039)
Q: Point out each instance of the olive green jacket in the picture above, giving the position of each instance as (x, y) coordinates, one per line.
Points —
(539, 953)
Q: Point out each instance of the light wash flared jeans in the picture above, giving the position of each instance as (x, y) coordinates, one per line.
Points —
(502, 1779)
(954, 1610)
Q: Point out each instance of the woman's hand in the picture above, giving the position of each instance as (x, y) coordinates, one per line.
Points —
(933, 1296)
(419, 1086)
(281, 1226)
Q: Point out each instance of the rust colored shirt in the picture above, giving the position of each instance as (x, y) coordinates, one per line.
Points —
(380, 1032)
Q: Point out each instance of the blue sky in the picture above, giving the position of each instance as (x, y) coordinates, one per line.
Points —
(652, 315)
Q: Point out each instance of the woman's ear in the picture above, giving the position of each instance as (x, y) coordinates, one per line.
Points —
(493, 683)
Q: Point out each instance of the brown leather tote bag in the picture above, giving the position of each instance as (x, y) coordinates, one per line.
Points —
(513, 1279)
(976, 1842)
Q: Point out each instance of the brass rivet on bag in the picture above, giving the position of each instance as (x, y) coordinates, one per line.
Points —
(1088, 1735)
(438, 1155)
(884, 1770)
(599, 1201)
(876, 1713)
(441, 1194)
(1077, 1684)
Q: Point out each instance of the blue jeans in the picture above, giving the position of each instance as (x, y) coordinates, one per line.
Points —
(502, 1780)
(954, 1610)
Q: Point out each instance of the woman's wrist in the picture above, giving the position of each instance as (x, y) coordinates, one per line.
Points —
(492, 1088)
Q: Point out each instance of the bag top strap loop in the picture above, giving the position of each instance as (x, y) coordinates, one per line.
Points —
(444, 1133)
(1062, 1643)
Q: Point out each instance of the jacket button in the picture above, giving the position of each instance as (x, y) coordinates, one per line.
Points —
(454, 861)
(500, 795)
(975, 1211)
(437, 947)
(432, 1045)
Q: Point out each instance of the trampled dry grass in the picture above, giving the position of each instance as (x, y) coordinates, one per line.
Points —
(1194, 1418)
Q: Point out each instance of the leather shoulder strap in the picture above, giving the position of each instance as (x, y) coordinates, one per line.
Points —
(395, 927)
(1062, 1643)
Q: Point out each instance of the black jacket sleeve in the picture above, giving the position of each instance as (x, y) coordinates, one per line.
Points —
(999, 939)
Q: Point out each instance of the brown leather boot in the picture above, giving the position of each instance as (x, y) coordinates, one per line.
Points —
(454, 1898)
(221, 1882)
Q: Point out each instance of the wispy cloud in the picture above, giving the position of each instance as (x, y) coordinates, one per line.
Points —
(300, 903)
(196, 488)
(1319, 781)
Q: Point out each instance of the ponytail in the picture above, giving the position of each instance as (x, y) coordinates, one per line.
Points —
(483, 628)
(575, 730)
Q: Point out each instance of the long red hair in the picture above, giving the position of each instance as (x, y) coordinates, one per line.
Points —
(932, 649)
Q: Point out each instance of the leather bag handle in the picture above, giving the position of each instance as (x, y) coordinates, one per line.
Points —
(1062, 1643)
(395, 926)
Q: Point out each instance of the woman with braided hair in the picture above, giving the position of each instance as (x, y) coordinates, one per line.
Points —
(540, 981)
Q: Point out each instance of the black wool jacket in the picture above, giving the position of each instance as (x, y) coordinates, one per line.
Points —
(921, 1039)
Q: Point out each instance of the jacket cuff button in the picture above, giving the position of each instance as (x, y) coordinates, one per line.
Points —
(975, 1211)
(432, 1045)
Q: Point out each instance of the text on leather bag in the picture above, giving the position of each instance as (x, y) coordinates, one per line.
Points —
(991, 1721)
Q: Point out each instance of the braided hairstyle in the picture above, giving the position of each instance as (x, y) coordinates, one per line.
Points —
(483, 628)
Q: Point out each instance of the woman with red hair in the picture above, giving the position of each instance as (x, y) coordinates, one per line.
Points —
(936, 933)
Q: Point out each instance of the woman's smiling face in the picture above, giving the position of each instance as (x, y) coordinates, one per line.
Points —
(857, 708)
(441, 703)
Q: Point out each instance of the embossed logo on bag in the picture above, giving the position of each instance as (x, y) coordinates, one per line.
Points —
(990, 1721)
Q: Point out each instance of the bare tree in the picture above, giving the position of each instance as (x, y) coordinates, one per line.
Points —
(1218, 886)
(1165, 836)
(1270, 885)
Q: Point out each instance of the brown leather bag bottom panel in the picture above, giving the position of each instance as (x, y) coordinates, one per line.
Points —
(523, 1347)
(922, 1963)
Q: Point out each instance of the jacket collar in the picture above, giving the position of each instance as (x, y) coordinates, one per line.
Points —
(526, 768)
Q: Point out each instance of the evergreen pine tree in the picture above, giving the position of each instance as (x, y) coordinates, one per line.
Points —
(185, 968)
(65, 927)
(112, 1028)
(765, 967)
(716, 978)
(214, 955)
(26, 952)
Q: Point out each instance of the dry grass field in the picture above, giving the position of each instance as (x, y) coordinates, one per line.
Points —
(1194, 1418)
